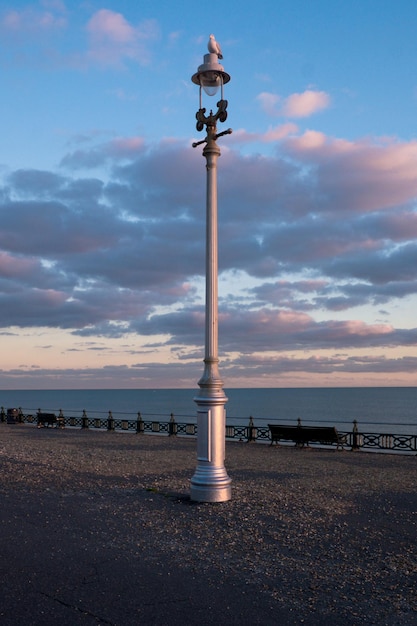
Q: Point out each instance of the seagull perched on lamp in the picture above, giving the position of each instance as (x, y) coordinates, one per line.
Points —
(214, 47)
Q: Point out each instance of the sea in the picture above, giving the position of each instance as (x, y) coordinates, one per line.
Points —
(376, 409)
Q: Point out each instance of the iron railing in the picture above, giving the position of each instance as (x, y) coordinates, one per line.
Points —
(354, 439)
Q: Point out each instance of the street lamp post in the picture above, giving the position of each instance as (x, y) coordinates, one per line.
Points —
(210, 482)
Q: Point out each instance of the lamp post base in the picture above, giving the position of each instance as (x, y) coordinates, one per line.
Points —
(210, 486)
(210, 482)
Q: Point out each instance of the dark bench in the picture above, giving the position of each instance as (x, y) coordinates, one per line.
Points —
(12, 416)
(303, 435)
(47, 419)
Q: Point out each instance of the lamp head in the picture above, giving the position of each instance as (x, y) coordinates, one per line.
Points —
(211, 75)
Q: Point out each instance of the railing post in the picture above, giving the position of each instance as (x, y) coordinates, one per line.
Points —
(355, 436)
(84, 421)
(251, 431)
(61, 419)
(299, 443)
(140, 427)
(20, 416)
(110, 421)
(172, 429)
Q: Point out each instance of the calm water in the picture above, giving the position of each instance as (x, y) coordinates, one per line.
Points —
(373, 408)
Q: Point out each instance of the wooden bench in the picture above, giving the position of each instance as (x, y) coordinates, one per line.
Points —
(303, 435)
(48, 419)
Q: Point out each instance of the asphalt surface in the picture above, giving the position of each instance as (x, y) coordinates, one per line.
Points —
(98, 528)
(55, 577)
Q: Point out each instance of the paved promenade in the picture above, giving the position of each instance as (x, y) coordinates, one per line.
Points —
(97, 528)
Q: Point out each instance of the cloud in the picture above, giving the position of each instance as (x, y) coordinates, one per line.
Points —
(276, 330)
(119, 148)
(13, 268)
(339, 367)
(113, 40)
(124, 255)
(269, 103)
(110, 40)
(360, 176)
(273, 134)
(277, 369)
(30, 20)
(305, 104)
(297, 105)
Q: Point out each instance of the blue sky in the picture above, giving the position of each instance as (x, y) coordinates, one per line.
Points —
(102, 196)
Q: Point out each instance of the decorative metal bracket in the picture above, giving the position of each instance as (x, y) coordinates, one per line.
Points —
(210, 121)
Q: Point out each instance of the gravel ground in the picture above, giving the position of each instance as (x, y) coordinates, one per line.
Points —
(313, 536)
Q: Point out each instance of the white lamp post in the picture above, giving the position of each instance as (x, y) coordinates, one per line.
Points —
(210, 482)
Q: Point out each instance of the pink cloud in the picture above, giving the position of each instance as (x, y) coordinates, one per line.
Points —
(124, 147)
(310, 140)
(297, 105)
(113, 39)
(305, 104)
(364, 175)
(50, 297)
(117, 149)
(271, 329)
(277, 133)
(110, 26)
(266, 321)
(12, 266)
(269, 103)
(359, 328)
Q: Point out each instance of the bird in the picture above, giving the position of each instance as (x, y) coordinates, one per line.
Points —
(214, 47)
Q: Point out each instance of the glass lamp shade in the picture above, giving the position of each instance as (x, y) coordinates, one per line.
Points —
(210, 82)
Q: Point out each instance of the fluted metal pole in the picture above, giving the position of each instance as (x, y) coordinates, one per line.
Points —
(210, 482)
